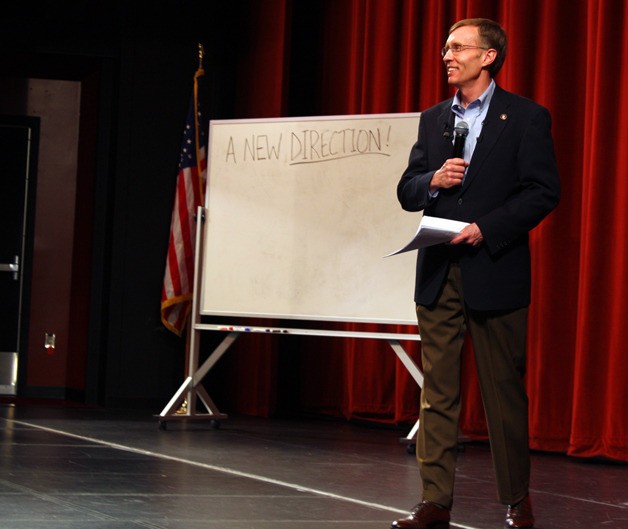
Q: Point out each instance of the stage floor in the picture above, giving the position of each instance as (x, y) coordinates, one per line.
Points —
(72, 468)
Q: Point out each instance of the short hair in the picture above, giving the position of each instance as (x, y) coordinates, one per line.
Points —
(491, 35)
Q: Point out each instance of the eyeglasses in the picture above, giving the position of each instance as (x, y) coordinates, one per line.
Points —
(457, 48)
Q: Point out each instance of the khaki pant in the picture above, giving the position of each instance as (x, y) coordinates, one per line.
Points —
(499, 343)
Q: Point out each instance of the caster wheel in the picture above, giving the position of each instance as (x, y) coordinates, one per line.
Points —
(214, 424)
(163, 425)
(411, 449)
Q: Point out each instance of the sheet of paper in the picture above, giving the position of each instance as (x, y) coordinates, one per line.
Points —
(432, 230)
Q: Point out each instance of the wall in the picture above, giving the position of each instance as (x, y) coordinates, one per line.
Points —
(57, 103)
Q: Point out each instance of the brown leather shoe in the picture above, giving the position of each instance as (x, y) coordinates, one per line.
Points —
(425, 515)
(520, 516)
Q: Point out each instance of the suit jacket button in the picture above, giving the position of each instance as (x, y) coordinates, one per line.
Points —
(460, 202)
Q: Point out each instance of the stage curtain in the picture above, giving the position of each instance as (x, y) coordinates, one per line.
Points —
(376, 56)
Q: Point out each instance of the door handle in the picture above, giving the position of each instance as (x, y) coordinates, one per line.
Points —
(12, 267)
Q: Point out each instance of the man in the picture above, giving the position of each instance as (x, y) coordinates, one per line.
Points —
(503, 185)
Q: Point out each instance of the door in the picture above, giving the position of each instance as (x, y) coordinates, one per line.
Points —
(19, 137)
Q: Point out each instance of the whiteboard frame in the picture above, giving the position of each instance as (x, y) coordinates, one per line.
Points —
(210, 304)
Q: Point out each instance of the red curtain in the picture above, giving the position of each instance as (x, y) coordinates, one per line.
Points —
(383, 56)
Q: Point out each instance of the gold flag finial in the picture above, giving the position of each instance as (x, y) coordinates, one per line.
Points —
(201, 55)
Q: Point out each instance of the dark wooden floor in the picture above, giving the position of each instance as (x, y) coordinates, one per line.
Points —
(92, 469)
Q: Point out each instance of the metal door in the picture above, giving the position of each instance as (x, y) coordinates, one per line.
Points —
(18, 150)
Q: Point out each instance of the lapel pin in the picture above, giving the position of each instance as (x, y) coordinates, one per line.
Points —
(503, 117)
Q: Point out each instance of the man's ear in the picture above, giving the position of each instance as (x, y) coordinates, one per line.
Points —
(489, 58)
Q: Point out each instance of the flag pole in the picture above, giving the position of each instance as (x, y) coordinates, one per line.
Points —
(183, 410)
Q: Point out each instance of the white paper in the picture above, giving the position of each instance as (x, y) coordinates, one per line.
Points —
(432, 230)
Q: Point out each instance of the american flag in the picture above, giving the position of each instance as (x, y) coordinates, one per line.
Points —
(176, 294)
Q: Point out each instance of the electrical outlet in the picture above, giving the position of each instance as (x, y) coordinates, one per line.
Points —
(49, 342)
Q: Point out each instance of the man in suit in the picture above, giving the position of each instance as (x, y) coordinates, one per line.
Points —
(503, 185)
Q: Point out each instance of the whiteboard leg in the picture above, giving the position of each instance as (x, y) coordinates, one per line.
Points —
(214, 357)
(416, 374)
(177, 398)
(412, 433)
(412, 368)
(207, 401)
(192, 389)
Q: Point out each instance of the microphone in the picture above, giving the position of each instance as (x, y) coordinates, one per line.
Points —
(461, 131)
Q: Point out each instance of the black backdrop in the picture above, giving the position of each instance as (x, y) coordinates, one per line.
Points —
(144, 55)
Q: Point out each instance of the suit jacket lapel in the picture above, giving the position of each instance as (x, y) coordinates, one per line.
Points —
(494, 123)
(446, 124)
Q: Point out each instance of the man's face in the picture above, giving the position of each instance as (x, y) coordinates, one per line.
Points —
(465, 67)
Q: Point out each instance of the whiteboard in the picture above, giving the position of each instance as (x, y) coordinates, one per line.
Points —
(300, 213)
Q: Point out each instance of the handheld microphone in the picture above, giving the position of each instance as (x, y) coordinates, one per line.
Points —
(461, 131)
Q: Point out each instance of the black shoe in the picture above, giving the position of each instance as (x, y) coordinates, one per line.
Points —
(520, 516)
(425, 515)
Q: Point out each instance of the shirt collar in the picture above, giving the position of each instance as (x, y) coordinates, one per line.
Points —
(480, 102)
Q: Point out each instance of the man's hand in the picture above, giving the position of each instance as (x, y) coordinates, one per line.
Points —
(471, 234)
(449, 175)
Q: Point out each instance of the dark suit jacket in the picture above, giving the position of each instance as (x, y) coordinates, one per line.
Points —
(510, 186)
